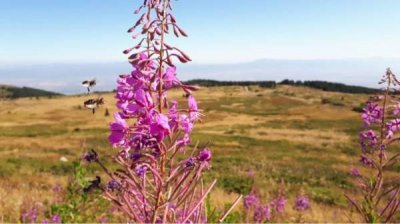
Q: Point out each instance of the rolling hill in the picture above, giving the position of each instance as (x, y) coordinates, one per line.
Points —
(13, 92)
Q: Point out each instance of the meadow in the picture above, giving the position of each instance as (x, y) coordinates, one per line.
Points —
(262, 138)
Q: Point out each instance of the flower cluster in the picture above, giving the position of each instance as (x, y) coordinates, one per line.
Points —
(372, 113)
(382, 129)
(32, 215)
(135, 94)
(262, 212)
(302, 203)
(53, 219)
(150, 131)
(368, 140)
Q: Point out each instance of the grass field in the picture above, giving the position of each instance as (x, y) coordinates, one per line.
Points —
(304, 138)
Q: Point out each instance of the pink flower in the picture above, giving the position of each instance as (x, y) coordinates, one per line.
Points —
(173, 114)
(193, 109)
(368, 139)
(186, 124)
(366, 161)
(355, 172)
(143, 99)
(118, 130)
(251, 200)
(151, 131)
(56, 219)
(396, 110)
(183, 141)
(204, 155)
(279, 204)
(302, 203)
(392, 126)
(372, 114)
(262, 213)
(160, 128)
(169, 78)
(132, 108)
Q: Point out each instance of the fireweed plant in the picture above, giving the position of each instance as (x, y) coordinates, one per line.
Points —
(273, 210)
(155, 182)
(381, 193)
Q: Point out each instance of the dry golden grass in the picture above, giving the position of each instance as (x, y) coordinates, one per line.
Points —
(276, 132)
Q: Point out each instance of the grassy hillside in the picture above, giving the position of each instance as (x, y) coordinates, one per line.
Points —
(303, 137)
(14, 92)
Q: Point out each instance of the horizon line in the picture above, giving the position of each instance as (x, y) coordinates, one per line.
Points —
(14, 64)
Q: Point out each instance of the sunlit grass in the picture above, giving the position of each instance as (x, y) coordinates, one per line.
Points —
(282, 135)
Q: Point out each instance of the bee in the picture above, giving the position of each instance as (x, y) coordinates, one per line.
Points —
(89, 84)
(92, 104)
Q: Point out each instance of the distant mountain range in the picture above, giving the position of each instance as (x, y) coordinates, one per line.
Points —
(13, 92)
(66, 78)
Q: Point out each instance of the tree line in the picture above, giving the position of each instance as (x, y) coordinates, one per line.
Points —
(210, 83)
(18, 92)
(322, 85)
(331, 86)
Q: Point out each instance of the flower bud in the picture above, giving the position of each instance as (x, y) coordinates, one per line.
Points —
(90, 156)
(204, 155)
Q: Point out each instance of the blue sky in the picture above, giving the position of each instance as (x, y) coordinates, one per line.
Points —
(220, 31)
